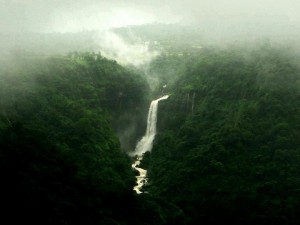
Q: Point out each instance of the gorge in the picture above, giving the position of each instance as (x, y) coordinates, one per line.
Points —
(145, 144)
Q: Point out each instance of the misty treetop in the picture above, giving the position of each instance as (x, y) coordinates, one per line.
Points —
(229, 151)
(61, 161)
(227, 147)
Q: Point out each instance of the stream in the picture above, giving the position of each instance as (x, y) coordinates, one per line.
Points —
(145, 145)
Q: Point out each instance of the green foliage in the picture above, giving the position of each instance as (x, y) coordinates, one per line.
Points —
(60, 159)
(228, 148)
(58, 91)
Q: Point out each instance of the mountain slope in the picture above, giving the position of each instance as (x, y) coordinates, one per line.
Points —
(228, 146)
(60, 159)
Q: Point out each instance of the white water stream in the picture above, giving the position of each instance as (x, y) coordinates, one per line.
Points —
(145, 144)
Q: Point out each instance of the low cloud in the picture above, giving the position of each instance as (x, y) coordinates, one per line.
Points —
(136, 53)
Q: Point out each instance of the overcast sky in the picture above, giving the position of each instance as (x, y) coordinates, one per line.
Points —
(78, 15)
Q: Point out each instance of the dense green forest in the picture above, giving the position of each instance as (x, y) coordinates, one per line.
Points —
(227, 149)
(61, 161)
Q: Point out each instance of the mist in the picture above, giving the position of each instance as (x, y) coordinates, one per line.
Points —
(115, 47)
(261, 16)
(50, 27)
(58, 27)
(78, 79)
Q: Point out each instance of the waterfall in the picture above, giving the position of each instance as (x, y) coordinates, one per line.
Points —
(145, 144)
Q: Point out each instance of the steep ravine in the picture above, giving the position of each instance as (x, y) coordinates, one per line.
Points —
(145, 144)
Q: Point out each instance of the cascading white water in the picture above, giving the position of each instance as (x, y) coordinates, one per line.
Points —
(145, 144)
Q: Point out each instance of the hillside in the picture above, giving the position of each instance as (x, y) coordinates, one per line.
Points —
(228, 144)
(226, 151)
(61, 161)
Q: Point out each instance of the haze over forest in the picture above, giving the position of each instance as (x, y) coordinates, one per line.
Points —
(157, 112)
(225, 18)
(58, 27)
